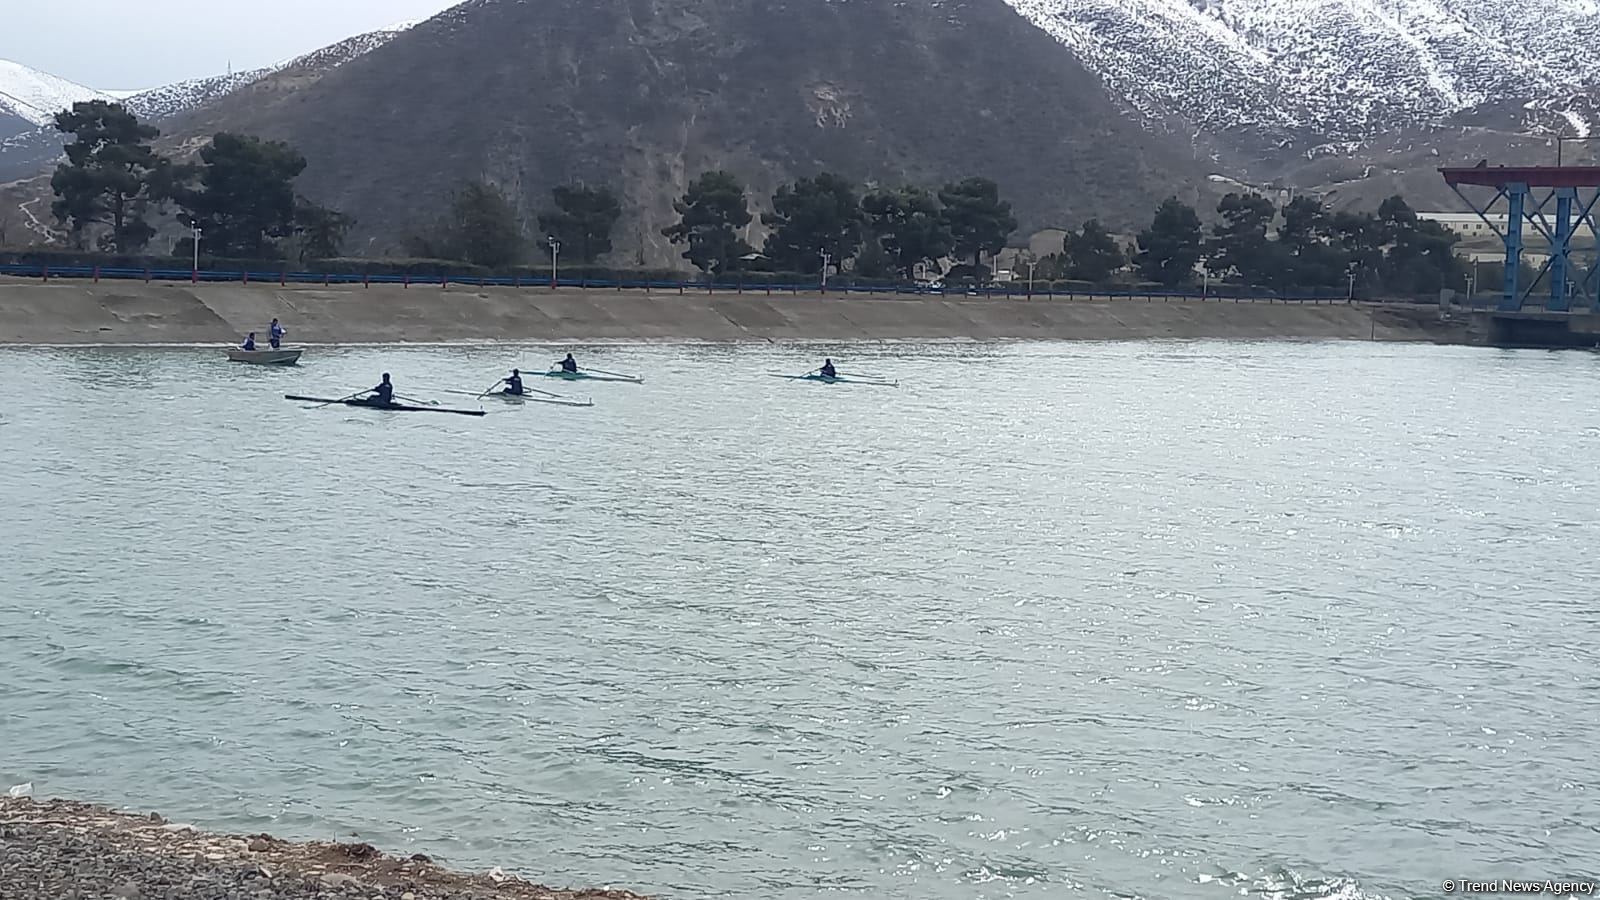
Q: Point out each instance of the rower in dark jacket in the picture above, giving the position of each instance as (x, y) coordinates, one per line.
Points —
(383, 394)
(569, 364)
(514, 383)
(828, 370)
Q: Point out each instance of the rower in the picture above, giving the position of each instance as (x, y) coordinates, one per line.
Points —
(383, 394)
(569, 364)
(514, 383)
(250, 341)
(827, 369)
(275, 334)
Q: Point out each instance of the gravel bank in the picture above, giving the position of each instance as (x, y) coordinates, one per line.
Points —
(61, 850)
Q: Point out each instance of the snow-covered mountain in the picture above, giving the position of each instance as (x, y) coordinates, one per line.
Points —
(1332, 70)
(30, 98)
(172, 99)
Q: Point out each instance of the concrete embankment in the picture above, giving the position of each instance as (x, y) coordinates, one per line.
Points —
(58, 849)
(67, 312)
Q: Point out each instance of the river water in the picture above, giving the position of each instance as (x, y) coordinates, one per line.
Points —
(1161, 620)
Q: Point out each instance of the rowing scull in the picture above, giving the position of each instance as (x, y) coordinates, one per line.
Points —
(389, 407)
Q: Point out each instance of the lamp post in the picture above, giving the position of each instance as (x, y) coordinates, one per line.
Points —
(555, 251)
(826, 259)
(195, 272)
(1350, 297)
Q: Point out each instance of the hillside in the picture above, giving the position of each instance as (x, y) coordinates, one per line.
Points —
(645, 95)
(1288, 75)
(31, 146)
(30, 98)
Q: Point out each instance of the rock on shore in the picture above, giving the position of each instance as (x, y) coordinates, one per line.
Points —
(62, 850)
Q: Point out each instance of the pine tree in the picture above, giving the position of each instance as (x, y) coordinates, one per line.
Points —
(711, 214)
(244, 203)
(978, 220)
(1092, 254)
(1170, 247)
(108, 177)
(907, 226)
(582, 221)
(811, 217)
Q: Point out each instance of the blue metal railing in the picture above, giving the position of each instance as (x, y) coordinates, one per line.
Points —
(284, 277)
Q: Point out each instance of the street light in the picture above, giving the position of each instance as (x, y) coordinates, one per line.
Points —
(555, 250)
(194, 274)
(826, 259)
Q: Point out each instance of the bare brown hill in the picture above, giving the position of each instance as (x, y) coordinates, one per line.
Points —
(645, 94)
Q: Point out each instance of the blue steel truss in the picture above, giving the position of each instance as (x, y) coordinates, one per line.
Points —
(1574, 190)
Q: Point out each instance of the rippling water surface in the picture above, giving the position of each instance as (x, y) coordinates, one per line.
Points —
(1133, 620)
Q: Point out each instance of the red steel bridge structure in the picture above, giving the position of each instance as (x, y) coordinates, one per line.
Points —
(1555, 201)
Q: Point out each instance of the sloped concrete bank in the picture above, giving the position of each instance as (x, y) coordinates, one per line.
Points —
(136, 313)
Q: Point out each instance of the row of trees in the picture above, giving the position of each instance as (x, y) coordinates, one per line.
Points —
(1311, 246)
(240, 194)
(816, 221)
(826, 220)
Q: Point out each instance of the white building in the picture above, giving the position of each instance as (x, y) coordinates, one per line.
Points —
(1471, 226)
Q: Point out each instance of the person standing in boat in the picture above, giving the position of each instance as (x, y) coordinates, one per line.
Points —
(249, 341)
(514, 383)
(383, 394)
(569, 364)
(275, 334)
(827, 369)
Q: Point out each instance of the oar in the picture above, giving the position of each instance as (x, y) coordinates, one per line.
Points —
(340, 400)
(490, 389)
(415, 400)
(612, 374)
(864, 375)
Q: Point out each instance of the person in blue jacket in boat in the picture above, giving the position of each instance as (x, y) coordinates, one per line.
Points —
(514, 383)
(827, 369)
(382, 395)
(275, 334)
(569, 364)
(249, 341)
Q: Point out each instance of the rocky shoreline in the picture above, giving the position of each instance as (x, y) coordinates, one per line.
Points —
(65, 850)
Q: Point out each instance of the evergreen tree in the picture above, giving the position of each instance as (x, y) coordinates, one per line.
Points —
(1239, 244)
(1308, 237)
(320, 231)
(711, 213)
(582, 221)
(245, 202)
(978, 220)
(480, 228)
(1091, 254)
(1420, 257)
(810, 217)
(108, 176)
(1170, 247)
(907, 226)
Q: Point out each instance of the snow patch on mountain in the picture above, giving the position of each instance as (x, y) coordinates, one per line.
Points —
(1326, 69)
(36, 96)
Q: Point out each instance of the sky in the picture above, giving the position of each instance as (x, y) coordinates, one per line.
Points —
(123, 45)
